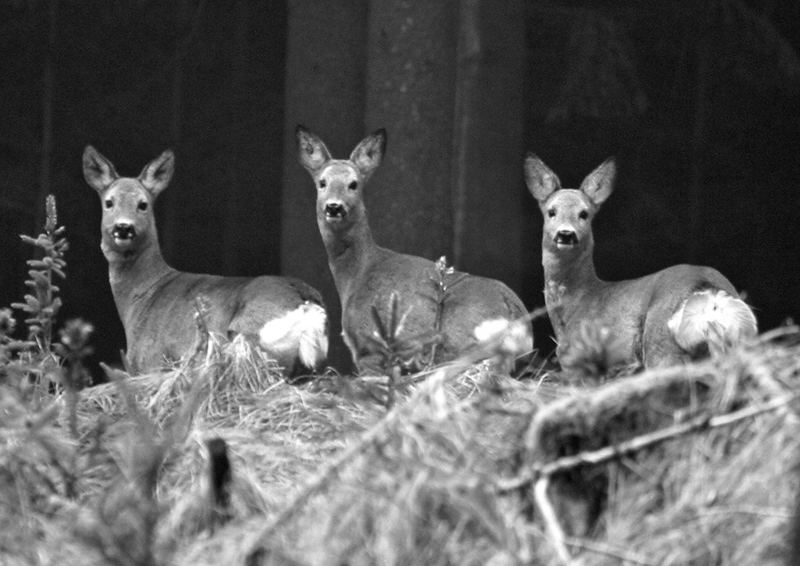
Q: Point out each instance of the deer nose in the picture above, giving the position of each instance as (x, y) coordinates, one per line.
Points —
(124, 231)
(335, 210)
(566, 237)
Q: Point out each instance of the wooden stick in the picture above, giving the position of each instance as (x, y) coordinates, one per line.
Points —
(768, 512)
(554, 530)
(543, 474)
(778, 332)
(637, 443)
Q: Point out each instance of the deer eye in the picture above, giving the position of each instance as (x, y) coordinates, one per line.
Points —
(583, 215)
(322, 183)
(109, 203)
(551, 213)
(142, 205)
(353, 185)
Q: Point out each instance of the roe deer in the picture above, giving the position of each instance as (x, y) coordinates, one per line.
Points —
(156, 303)
(660, 319)
(367, 276)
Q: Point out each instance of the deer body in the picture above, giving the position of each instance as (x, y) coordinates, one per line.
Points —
(157, 304)
(660, 319)
(367, 275)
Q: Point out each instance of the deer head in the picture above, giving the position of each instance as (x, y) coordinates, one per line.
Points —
(340, 182)
(128, 223)
(568, 213)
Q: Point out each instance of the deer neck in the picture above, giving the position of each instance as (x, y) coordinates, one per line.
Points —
(349, 252)
(569, 278)
(134, 276)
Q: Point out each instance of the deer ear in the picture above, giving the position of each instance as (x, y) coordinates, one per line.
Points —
(156, 175)
(311, 150)
(599, 184)
(541, 180)
(98, 171)
(368, 154)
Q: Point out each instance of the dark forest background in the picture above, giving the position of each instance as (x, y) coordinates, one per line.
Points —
(699, 101)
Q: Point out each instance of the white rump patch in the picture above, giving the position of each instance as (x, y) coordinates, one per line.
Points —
(506, 337)
(302, 332)
(713, 317)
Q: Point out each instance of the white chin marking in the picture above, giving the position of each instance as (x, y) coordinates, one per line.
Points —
(301, 333)
(714, 317)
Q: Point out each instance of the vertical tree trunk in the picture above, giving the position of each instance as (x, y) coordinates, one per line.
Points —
(467, 73)
(48, 91)
(411, 92)
(488, 191)
(168, 228)
(325, 92)
(231, 231)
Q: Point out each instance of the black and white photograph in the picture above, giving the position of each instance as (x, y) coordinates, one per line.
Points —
(399, 282)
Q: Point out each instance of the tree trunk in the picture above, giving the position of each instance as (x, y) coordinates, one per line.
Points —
(411, 92)
(168, 227)
(231, 231)
(488, 191)
(467, 75)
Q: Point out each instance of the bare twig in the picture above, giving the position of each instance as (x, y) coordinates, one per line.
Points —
(554, 530)
(542, 474)
(637, 443)
(779, 332)
(770, 512)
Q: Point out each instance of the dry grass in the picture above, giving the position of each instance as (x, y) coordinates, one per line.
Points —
(323, 475)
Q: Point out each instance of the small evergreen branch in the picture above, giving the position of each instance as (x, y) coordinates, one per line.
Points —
(7, 326)
(398, 354)
(73, 349)
(595, 353)
(73, 377)
(204, 337)
(42, 303)
(389, 345)
(443, 282)
(24, 364)
(440, 274)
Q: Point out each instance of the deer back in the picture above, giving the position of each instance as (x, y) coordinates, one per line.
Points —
(435, 311)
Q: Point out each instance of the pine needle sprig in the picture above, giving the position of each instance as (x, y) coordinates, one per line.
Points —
(398, 354)
(42, 302)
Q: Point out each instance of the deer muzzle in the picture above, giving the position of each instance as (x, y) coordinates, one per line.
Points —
(335, 211)
(567, 238)
(123, 232)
